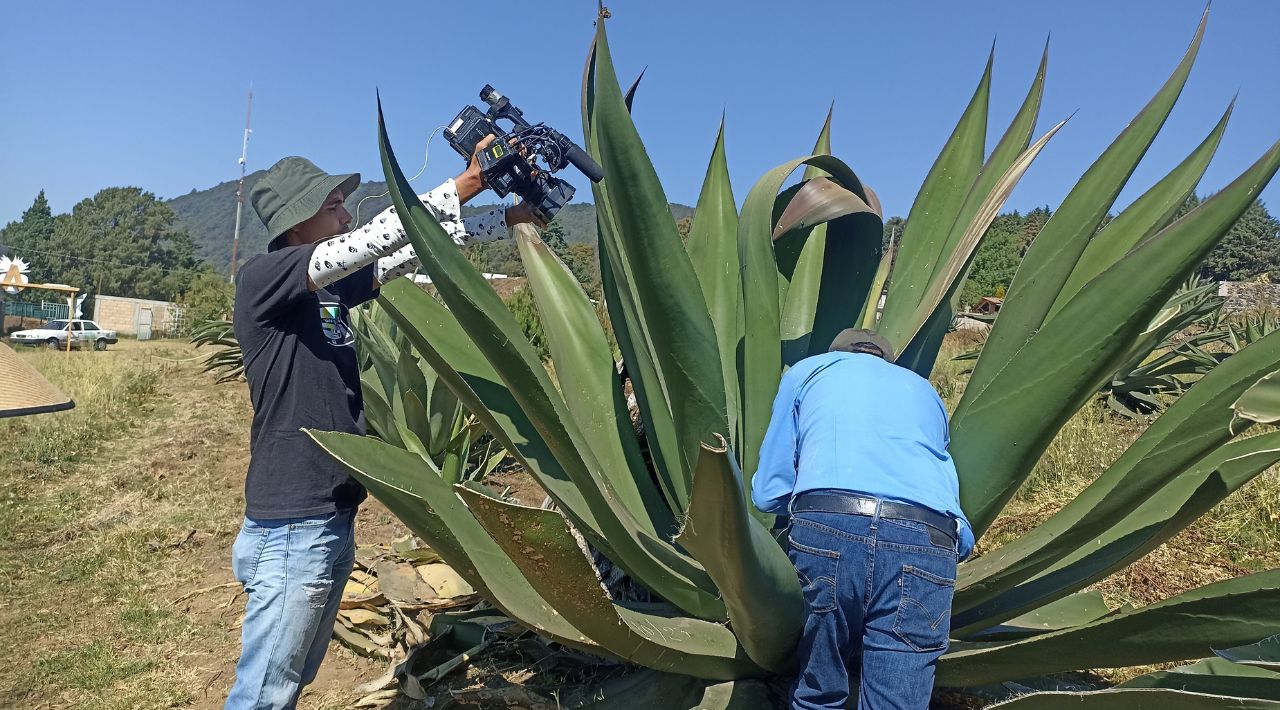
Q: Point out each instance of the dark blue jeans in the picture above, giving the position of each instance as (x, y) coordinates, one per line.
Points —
(878, 592)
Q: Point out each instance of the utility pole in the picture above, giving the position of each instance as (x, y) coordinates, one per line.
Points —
(244, 155)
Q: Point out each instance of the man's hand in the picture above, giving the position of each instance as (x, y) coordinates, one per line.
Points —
(471, 182)
(523, 214)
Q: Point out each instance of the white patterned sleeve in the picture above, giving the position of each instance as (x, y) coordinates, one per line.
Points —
(484, 227)
(382, 237)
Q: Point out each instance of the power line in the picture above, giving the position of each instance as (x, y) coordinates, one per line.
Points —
(100, 261)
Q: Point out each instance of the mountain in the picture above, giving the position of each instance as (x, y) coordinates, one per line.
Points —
(210, 217)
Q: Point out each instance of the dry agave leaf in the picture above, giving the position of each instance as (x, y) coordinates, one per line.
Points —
(506, 696)
(415, 633)
(367, 557)
(377, 700)
(364, 617)
(360, 643)
(410, 549)
(398, 581)
(361, 590)
(424, 592)
(446, 582)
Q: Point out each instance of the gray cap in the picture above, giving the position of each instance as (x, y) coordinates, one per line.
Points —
(856, 340)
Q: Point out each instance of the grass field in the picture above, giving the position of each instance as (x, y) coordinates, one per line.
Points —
(115, 529)
(116, 520)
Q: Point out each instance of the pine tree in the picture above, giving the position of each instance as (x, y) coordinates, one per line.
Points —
(30, 238)
(1249, 250)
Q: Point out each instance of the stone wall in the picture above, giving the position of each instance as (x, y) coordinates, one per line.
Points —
(1249, 295)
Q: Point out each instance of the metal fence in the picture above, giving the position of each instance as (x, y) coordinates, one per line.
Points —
(39, 311)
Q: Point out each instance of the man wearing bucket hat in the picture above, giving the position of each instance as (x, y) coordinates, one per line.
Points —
(295, 548)
(856, 454)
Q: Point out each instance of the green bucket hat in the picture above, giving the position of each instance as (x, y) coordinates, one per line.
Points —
(291, 192)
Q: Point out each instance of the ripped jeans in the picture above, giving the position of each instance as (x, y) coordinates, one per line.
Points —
(293, 571)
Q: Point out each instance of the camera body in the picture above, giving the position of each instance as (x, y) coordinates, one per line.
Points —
(523, 157)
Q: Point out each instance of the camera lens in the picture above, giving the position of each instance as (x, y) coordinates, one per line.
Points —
(490, 95)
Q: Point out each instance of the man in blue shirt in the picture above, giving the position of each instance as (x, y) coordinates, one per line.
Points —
(856, 453)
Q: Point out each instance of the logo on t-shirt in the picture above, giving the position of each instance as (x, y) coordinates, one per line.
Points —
(333, 321)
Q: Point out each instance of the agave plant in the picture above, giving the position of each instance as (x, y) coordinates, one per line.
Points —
(1160, 364)
(705, 333)
(1163, 364)
(228, 362)
(407, 405)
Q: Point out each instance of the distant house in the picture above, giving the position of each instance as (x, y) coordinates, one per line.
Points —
(988, 306)
(138, 317)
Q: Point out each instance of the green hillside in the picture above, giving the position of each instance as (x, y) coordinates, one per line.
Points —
(210, 217)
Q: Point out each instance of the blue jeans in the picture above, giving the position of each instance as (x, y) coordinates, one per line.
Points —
(878, 593)
(293, 571)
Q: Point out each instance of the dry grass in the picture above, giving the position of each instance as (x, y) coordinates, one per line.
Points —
(110, 513)
(1239, 536)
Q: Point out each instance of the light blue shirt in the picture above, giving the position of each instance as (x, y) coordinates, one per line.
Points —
(854, 422)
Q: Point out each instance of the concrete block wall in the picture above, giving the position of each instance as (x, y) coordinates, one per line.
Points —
(124, 314)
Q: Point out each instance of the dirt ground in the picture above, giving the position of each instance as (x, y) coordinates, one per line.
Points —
(170, 485)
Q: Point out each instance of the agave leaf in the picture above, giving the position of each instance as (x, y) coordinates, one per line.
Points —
(544, 548)
(628, 316)
(713, 251)
(1146, 216)
(1158, 517)
(1229, 612)
(832, 277)
(589, 381)
(415, 430)
(379, 414)
(1073, 610)
(937, 307)
(582, 493)
(961, 241)
(761, 591)
(631, 90)
(1196, 425)
(420, 497)
(1053, 255)
(995, 443)
(409, 377)
(1214, 676)
(382, 355)
(679, 328)
(1134, 699)
(926, 238)
(818, 201)
(652, 689)
(441, 341)
(761, 356)
(1261, 402)
(1264, 654)
(872, 306)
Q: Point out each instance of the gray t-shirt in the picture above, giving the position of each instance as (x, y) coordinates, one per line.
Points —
(300, 361)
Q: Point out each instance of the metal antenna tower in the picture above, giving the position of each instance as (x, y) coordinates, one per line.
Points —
(244, 154)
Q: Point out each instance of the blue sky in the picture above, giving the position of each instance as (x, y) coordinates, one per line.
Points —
(152, 94)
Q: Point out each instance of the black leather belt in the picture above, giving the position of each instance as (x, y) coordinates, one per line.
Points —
(853, 504)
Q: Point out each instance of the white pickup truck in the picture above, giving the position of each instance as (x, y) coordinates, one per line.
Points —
(54, 335)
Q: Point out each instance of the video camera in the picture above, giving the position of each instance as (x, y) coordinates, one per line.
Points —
(522, 159)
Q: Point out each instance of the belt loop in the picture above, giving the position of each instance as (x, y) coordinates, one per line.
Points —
(875, 519)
